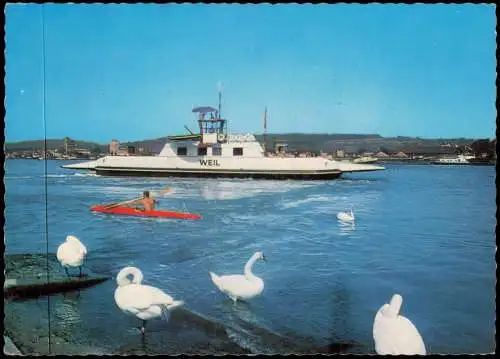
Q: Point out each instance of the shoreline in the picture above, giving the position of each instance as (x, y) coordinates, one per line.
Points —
(9, 348)
(188, 333)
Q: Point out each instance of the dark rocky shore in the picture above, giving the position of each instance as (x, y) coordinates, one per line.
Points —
(26, 323)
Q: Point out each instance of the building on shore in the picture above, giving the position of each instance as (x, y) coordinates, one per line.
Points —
(143, 151)
(381, 155)
(401, 155)
(114, 147)
(126, 151)
(69, 146)
(82, 152)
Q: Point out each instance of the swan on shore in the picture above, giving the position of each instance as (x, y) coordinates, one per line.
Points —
(395, 334)
(143, 301)
(346, 216)
(71, 253)
(239, 286)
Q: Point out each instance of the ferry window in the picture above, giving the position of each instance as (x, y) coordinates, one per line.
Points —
(202, 151)
(216, 151)
(182, 151)
(237, 151)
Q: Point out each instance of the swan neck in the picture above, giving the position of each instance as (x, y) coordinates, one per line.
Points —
(249, 265)
(122, 277)
(395, 304)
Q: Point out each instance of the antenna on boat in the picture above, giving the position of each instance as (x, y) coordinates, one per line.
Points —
(219, 88)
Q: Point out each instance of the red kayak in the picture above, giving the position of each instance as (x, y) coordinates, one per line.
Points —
(129, 211)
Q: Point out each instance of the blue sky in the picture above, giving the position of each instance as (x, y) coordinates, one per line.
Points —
(135, 72)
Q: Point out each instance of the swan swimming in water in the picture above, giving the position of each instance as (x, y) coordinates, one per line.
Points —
(395, 334)
(346, 217)
(143, 301)
(239, 286)
(71, 253)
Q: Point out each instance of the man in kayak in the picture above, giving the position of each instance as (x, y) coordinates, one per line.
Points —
(146, 201)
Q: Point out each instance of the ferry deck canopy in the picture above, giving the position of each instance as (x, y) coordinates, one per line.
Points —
(204, 109)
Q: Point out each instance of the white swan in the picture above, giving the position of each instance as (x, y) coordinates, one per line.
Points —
(395, 334)
(143, 301)
(346, 217)
(71, 253)
(239, 286)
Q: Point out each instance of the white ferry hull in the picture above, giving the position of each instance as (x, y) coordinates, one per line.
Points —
(169, 172)
(89, 165)
(195, 166)
(259, 168)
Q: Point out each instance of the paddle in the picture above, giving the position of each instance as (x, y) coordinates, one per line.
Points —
(163, 191)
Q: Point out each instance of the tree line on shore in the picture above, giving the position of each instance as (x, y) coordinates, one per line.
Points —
(298, 142)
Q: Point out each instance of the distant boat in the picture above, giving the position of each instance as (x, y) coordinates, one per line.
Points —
(464, 159)
(365, 159)
(484, 159)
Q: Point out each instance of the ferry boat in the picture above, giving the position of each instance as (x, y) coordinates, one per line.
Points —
(455, 160)
(472, 160)
(213, 152)
(365, 159)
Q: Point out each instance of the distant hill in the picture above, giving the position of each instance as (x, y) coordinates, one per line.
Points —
(299, 142)
(363, 143)
(52, 144)
(351, 143)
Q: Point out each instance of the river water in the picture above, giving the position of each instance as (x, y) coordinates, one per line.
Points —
(425, 232)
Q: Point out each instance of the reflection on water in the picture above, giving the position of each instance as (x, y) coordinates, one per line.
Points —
(240, 311)
(66, 311)
(239, 189)
(346, 228)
